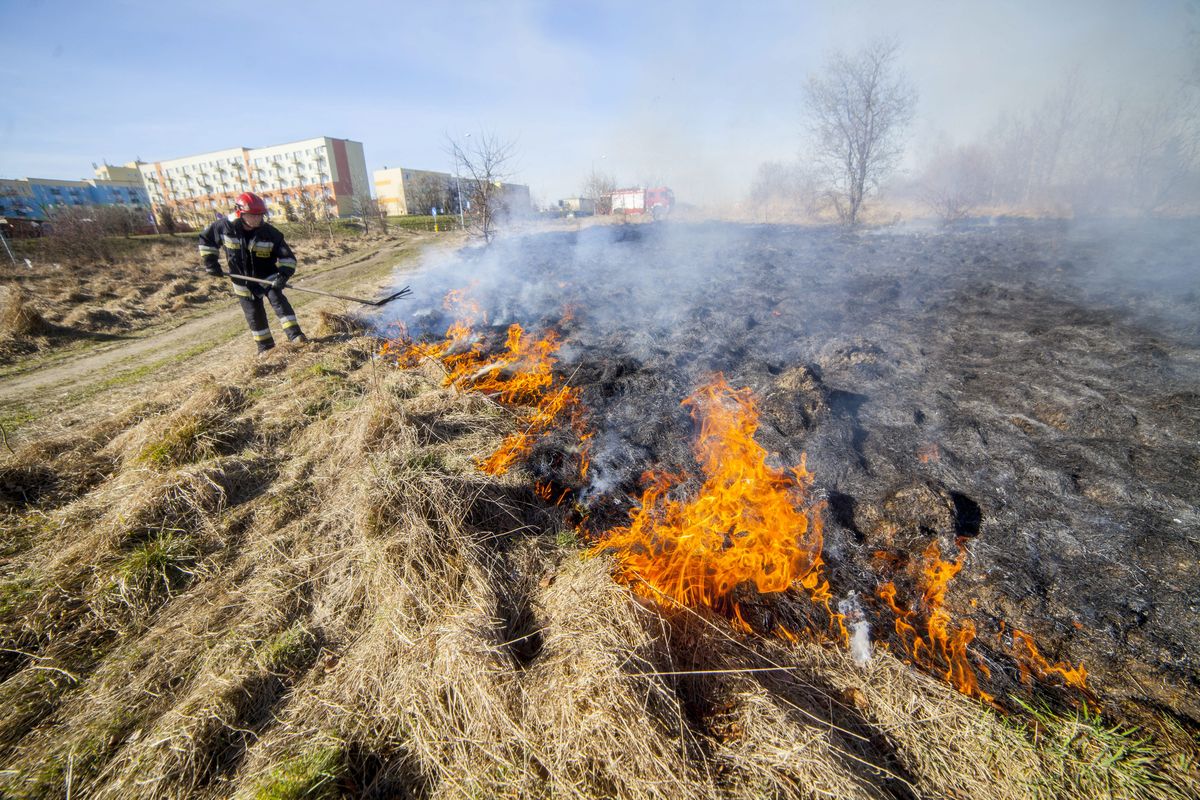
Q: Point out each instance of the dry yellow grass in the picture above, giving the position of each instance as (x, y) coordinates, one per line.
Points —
(288, 580)
(18, 317)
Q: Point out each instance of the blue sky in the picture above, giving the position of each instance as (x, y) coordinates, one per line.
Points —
(693, 94)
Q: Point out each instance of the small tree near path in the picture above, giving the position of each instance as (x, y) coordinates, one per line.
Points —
(859, 107)
(370, 212)
(166, 220)
(483, 165)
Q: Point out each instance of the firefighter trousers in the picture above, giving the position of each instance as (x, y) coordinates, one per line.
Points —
(256, 318)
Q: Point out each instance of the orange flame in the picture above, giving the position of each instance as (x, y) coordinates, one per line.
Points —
(929, 453)
(522, 374)
(745, 525)
(546, 411)
(1030, 660)
(943, 648)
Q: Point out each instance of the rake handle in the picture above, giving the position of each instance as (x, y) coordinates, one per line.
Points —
(401, 293)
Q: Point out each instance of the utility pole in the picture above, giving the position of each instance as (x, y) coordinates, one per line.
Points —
(462, 220)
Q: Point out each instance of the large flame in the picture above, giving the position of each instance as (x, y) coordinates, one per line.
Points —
(747, 524)
(943, 647)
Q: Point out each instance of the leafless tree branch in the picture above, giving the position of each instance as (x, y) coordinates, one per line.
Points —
(859, 108)
(483, 162)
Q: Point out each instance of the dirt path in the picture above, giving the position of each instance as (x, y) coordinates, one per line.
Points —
(79, 374)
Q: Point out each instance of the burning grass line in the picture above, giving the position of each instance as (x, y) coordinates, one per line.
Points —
(522, 375)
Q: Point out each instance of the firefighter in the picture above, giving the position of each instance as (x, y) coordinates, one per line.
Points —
(256, 249)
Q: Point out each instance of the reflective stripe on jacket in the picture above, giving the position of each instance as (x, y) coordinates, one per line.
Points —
(258, 252)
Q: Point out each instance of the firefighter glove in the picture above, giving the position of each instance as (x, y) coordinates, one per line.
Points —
(278, 280)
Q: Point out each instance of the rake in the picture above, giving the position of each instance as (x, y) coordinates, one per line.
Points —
(384, 301)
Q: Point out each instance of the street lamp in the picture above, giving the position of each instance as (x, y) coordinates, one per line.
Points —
(462, 222)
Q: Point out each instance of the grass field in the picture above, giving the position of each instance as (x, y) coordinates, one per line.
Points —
(287, 578)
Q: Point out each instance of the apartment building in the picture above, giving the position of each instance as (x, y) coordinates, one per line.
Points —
(34, 198)
(329, 172)
(119, 186)
(401, 191)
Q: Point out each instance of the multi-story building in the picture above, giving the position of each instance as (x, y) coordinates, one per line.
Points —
(17, 200)
(35, 198)
(330, 173)
(401, 191)
(119, 185)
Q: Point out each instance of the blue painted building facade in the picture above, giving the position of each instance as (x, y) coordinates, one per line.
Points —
(34, 198)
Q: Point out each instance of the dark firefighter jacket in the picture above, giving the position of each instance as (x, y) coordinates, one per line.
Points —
(259, 253)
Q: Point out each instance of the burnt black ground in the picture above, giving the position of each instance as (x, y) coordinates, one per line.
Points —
(1049, 373)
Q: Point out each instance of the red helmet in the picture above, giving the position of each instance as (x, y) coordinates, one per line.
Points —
(249, 203)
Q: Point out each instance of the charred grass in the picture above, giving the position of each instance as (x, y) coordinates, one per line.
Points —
(286, 579)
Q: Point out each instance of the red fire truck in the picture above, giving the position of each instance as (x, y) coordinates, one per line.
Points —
(657, 202)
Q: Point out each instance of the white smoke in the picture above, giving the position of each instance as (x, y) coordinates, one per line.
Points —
(860, 629)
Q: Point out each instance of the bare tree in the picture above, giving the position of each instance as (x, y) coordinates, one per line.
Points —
(380, 215)
(859, 107)
(166, 220)
(483, 163)
(113, 220)
(362, 207)
(599, 187)
(1057, 124)
(1079, 152)
(370, 211)
(1162, 154)
(783, 191)
(73, 234)
(307, 212)
(289, 209)
(957, 180)
(428, 192)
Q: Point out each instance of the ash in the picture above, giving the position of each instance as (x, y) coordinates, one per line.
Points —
(1027, 390)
